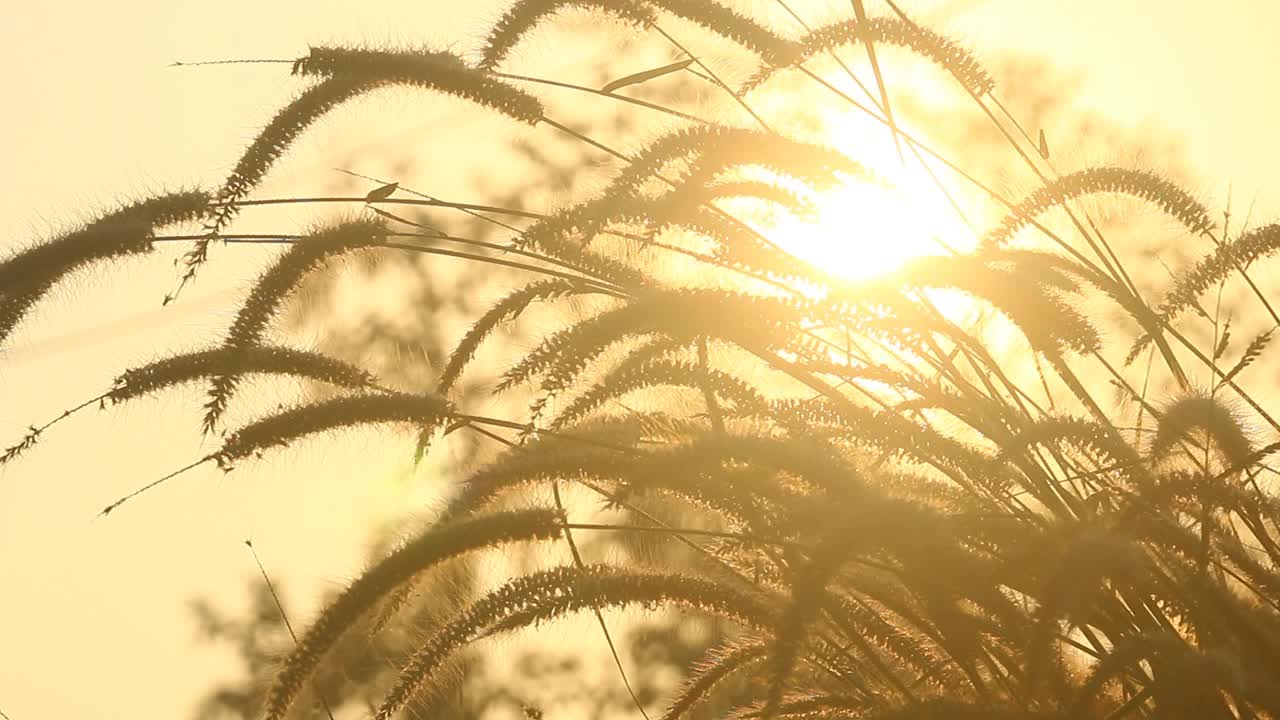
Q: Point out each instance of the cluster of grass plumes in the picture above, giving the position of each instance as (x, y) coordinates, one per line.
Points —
(414, 557)
(347, 73)
(906, 511)
(272, 289)
(169, 372)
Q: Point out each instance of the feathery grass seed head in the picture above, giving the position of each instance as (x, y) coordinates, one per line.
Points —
(892, 31)
(170, 371)
(282, 428)
(522, 16)
(27, 276)
(1142, 184)
(432, 70)
(1197, 417)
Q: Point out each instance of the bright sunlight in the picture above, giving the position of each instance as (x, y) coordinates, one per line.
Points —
(867, 227)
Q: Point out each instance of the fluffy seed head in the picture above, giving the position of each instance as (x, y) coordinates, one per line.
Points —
(1142, 184)
(523, 16)
(424, 411)
(1197, 417)
(170, 371)
(432, 70)
(27, 276)
(892, 31)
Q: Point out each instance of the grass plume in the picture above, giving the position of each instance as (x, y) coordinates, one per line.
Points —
(284, 427)
(27, 276)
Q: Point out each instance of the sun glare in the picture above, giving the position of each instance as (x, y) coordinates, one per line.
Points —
(869, 226)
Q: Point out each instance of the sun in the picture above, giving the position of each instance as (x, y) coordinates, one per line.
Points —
(866, 227)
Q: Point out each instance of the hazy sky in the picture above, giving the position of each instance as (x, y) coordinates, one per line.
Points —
(93, 614)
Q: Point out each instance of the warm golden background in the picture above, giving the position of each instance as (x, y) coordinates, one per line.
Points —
(96, 617)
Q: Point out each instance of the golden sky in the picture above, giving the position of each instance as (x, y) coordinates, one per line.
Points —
(94, 618)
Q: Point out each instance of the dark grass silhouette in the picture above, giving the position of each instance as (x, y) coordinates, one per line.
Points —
(903, 518)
